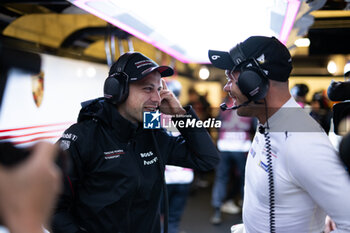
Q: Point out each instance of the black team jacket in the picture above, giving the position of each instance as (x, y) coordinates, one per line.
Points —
(114, 184)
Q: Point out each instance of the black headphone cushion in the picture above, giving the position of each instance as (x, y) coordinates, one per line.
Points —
(116, 89)
(253, 85)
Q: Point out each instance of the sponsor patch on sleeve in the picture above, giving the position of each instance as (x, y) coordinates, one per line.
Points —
(64, 144)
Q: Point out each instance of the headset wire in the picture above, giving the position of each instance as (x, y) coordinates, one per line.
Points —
(270, 173)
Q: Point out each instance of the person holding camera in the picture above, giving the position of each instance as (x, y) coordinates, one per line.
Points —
(29, 177)
(117, 175)
(340, 133)
(28, 189)
(294, 177)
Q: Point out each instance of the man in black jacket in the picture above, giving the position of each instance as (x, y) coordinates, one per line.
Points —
(116, 179)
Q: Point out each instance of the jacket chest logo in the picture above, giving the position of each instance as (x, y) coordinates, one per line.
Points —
(148, 158)
(146, 154)
(113, 154)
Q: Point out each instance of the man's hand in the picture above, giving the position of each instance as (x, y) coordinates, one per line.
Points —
(170, 105)
(28, 190)
(329, 225)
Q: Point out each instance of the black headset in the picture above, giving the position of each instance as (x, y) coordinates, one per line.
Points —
(254, 84)
(252, 80)
(116, 87)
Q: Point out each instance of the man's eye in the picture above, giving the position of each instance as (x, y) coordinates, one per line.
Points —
(147, 88)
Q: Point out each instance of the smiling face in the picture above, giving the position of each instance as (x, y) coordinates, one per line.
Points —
(143, 96)
(235, 93)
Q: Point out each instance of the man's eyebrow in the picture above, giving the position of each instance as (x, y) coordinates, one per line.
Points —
(148, 84)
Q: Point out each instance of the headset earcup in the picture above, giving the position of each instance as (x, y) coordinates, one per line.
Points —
(115, 90)
(252, 85)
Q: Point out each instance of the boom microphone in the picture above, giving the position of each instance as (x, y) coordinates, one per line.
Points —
(224, 107)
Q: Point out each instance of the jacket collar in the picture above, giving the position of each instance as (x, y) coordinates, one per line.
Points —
(291, 118)
(108, 115)
(124, 129)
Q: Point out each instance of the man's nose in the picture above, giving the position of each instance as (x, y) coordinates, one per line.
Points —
(156, 97)
(227, 87)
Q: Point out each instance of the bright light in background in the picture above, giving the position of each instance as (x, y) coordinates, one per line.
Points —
(188, 29)
(332, 67)
(79, 72)
(302, 42)
(91, 72)
(204, 73)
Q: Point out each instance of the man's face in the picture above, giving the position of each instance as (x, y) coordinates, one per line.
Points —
(235, 93)
(143, 96)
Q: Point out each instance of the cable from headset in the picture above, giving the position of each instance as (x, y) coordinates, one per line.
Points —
(270, 173)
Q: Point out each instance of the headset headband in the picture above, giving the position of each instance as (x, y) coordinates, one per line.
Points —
(237, 55)
(121, 64)
(239, 58)
(116, 87)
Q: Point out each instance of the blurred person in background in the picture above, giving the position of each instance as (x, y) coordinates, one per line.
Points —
(340, 127)
(234, 141)
(203, 109)
(320, 110)
(29, 177)
(28, 189)
(299, 92)
(338, 91)
(199, 103)
(178, 179)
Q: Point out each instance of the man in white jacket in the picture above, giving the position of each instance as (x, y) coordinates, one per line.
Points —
(294, 177)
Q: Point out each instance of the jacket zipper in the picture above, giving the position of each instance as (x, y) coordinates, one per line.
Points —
(129, 148)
